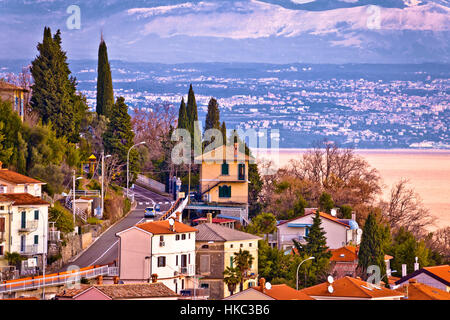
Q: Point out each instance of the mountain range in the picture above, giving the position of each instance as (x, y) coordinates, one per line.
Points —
(269, 31)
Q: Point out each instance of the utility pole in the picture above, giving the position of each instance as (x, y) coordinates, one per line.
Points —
(189, 185)
(73, 198)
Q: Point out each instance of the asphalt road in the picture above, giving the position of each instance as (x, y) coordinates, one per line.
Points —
(105, 249)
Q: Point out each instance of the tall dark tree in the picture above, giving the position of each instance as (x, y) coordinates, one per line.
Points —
(315, 246)
(105, 93)
(54, 91)
(192, 114)
(118, 138)
(213, 116)
(371, 247)
(182, 116)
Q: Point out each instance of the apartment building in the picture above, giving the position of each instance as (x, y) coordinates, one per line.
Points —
(14, 95)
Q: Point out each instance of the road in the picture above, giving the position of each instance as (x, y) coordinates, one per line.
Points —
(105, 249)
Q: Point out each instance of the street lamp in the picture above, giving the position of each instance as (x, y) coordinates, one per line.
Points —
(103, 178)
(73, 197)
(128, 162)
(298, 268)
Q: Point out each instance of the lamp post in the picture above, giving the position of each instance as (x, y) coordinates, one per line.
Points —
(103, 178)
(128, 162)
(298, 268)
(73, 197)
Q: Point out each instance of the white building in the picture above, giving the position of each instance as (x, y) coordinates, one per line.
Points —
(339, 232)
(158, 249)
(13, 182)
(23, 226)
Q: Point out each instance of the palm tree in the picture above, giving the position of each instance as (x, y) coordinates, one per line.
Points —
(13, 258)
(231, 277)
(243, 261)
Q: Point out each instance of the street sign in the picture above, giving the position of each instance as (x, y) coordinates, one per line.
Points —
(181, 195)
(32, 263)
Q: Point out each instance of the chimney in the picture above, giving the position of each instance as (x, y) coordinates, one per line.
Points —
(404, 270)
(209, 217)
(416, 265)
(262, 284)
(154, 278)
(354, 216)
(100, 280)
(116, 280)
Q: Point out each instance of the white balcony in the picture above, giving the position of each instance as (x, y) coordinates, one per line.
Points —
(188, 270)
(30, 249)
(30, 226)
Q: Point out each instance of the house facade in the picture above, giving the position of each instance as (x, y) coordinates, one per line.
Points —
(216, 247)
(157, 250)
(14, 95)
(435, 276)
(13, 182)
(339, 232)
(23, 227)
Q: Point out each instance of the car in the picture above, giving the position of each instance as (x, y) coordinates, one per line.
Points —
(150, 212)
(158, 208)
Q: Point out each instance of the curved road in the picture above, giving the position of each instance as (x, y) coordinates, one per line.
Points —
(105, 249)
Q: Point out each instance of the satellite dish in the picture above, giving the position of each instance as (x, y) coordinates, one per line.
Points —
(330, 279)
(330, 289)
(268, 286)
(171, 221)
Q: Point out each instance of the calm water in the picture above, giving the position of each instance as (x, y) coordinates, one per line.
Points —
(427, 170)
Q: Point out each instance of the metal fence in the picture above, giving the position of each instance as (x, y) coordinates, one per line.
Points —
(56, 279)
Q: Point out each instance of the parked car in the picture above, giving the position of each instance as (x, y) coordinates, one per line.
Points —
(158, 208)
(150, 212)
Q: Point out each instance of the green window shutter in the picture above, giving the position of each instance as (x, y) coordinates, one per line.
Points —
(229, 192)
(23, 223)
(36, 214)
(225, 169)
(231, 262)
(36, 239)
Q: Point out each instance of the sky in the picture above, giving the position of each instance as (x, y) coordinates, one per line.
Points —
(269, 31)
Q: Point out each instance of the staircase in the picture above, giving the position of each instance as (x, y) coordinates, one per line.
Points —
(79, 212)
(178, 206)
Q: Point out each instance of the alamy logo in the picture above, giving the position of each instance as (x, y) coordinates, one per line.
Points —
(74, 21)
(374, 19)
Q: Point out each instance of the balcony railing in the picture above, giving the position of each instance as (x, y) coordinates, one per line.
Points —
(194, 294)
(187, 271)
(30, 226)
(291, 237)
(30, 249)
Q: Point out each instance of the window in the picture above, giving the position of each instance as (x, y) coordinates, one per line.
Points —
(242, 245)
(2, 208)
(205, 246)
(204, 285)
(36, 239)
(231, 262)
(26, 188)
(2, 224)
(177, 237)
(225, 169)
(225, 192)
(205, 264)
(250, 244)
(36, 214)
(231, 246)
(161, 238)
(2, 252)
(183, 236)
(241, 171)
(189, 235)
(23, 222)
(161, 262)
(176, 260)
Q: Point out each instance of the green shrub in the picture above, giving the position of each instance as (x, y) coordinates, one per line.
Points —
(126, 206)
(62, 217)
(93, 220)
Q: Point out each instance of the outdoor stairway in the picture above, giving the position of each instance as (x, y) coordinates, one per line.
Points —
(178, 206)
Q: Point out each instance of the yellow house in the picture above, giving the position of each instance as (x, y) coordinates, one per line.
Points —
(224, 175)
(15, 95)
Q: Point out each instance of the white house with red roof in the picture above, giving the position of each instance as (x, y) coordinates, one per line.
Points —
(13, 182)
(339, 232)
(158, 250)
(434, 276)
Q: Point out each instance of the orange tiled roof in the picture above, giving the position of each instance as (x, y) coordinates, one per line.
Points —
(442, 272)
(22, 298)
(22, 199)
(163, 227)
(349, 287)
(16, 178)
(9, 86)
(322, 214)
(420, 291)
(344, 254)
(284, 292)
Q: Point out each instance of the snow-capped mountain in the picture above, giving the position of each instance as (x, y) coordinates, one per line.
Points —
(240, 30)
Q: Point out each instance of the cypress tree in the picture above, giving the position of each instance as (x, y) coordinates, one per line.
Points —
(182, 116)
(54, 91)
(213, 116)
(192, 114)
(118, 137)
(105, 93)
(371, 247)
(223, 128)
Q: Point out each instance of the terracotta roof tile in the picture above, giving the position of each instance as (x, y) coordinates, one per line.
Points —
(22, 199)
(322, 214)
(349, 287)
(9, 86)
(344, 254)
(442, 272)
(16, 178)
(420, 291)
(284, 292)
(163, 227)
